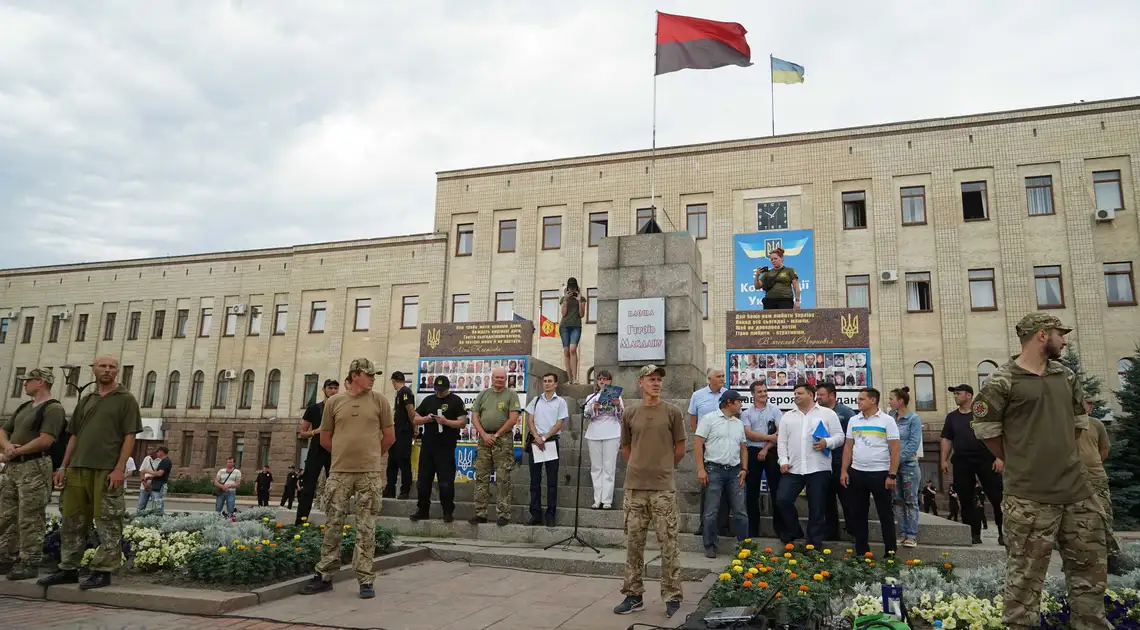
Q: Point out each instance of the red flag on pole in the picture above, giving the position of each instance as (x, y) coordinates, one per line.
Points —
(688, 42)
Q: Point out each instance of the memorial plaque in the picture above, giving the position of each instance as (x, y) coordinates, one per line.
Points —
(798, 329)
(477, 339)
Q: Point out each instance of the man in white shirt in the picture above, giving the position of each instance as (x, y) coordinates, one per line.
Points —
(545, 416)
(705, 401)
(721, 452)
(225, 488)
(870, 464)
(807, 435)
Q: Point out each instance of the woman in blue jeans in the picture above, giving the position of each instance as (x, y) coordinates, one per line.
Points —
(910, 474)
(573, 306)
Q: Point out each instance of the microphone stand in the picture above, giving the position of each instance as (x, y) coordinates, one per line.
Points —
(574, 536)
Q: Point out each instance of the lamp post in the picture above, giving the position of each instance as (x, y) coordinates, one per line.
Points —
(70, 369)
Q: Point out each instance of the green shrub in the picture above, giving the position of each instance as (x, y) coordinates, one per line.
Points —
(203, 485)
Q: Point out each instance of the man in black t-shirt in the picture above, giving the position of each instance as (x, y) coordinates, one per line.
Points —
(290, 492)
(441, 416)
(400, 455)
(263, 481)
(971, 461)
(318, 458)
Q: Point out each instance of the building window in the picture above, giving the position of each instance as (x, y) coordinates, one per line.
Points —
(985, 368)
(548, 305)
(196, 385)
(182, 323)
(1039, 195)
(505, 306)
(552, 232)
(1050, 287)
(172, 390)
(53, 332)
(599, 227)
(645, 215)
(237, 448)
(1122, 367)
(72, 383)
(254, 321)
(919, 297)
(26, 333)
(913, 205)
(924, 387)
(464, 239)
(591, 306)
(211, 449)
(187, 448)
(705, 300)
(3, 329)
(207, 320)
(264, 440)
(126, 375)
(230, 327)
(18, 384)
(508, 230)
(148, 389)
(309, 393)
(245, 400)
(81, 328)
(461, 307)
(272, 389)
(109, 326)
(280, 316)
(410, 311)
(1106, 186)
(363, 317)
(975, 203)
(855, 210)
(133, 323)
(859, 291)
(317, 316)
(1118, 284)
(983, 296)
(159, 324)
(221, 390)
(697, 220)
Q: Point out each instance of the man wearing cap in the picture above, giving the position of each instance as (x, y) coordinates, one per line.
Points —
(318, 458)
(25, 486)
(357, 430)
(971, 462)
(400, 455)
(721, 452)
(652, 442)
(441, 416)
(494, 415)
(1031, 415)
(103, 430)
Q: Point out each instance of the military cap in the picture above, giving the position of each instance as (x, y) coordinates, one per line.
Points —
(1035, 322)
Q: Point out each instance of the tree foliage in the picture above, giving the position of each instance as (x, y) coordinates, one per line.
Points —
(1122, 466)
(1089, 383)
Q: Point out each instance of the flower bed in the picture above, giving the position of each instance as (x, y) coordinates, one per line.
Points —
(804, 585)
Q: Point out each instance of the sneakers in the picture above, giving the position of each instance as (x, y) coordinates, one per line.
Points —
(23, 572)
(710, 552)
(909, 542)
(671, 607)
(631, 603)
(59, 577)
(97, 579)
(316, 584)
(502, 522)
(367, 591)
(607, 506)
(477, 520)
(596, 506)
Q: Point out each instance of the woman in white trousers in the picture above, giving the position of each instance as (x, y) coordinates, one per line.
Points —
(603, 436)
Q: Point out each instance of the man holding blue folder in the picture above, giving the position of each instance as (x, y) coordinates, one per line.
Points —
(808, 434)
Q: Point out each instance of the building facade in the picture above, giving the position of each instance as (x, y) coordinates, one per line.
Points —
(949, 230)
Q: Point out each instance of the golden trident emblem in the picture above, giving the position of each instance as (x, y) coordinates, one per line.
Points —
(849, 324)
(433, 338)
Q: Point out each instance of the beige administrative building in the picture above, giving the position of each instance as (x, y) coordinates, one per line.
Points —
(948, 229)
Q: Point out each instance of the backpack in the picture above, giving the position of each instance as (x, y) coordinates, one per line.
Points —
(59, 447)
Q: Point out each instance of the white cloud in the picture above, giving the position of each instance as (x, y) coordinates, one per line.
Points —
(136, 129)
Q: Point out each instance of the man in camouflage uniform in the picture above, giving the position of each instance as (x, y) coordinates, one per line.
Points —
(357, 429)
(103, 430)
(494, 415)
(652, 442)
(25, 487)
(1094, 447)
(1031, 415)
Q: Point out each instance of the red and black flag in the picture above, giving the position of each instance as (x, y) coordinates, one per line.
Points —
(687, 42)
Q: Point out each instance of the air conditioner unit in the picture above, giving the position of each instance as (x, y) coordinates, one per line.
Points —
(1105, 215)
(238, 309)
(64, 316)
(230, 375)
(888, 275)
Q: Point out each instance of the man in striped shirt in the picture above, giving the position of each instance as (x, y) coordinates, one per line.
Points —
(870, 467)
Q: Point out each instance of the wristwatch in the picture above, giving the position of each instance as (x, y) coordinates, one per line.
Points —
(892, 475)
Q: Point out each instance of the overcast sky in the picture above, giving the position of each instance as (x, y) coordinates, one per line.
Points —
(132, 129)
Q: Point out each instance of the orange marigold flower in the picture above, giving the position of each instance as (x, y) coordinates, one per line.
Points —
(869, 554)
(948, 566)
(789, 546)
(792, 575)
(825, 574)
(763, 585)
(777, 596)
(747, 583)
(767, 550)
(257, 548)
(803, 587)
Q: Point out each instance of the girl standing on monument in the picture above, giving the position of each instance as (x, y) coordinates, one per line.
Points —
(570, 327)
(781, 285)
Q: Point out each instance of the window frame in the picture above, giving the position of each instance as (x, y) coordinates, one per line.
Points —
(81, 328)
(852, 281)
(862, 201)
(134, 323)
(551, 221)
(150, 389)
(1060, 276)
(109, 321)
(903, 196)
(310, 386)
(985, 192)
(126, 375)
(513, 228)
(181, 323)
(245, 392)
(264, 446)
(466, 301)
(211, 458)
(318, 308)
(1131, 282)
(29, 325)
(255, 314)
(366, 304)
(280, 316)
(221, 391)
(173, 381)
(637, 223)
(591, 305)
(1123, 364)
(703, 213)
(933, 386)
(546, 296)
(186, 450)
(237, 448)
(205, 321)
(4, 325)
(18, 383)
(704, 300)
(501, 299)
(197, 384)
(929, 290)
(158, 324)
(464, 233)
(591, 221)
(1028, 197)
(1118, 180)
(404, 304)
(992, 280)
(272, 389)
(229, 325)
(981, 381)
(53, 331)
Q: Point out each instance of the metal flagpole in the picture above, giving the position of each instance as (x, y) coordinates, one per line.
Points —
(772, 82)
(653, 149)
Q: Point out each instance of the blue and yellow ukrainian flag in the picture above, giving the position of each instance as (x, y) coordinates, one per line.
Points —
(786, 71)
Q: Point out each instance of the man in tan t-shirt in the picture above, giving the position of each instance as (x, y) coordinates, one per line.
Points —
(652, 442)
(1093, 445)
(358, 429)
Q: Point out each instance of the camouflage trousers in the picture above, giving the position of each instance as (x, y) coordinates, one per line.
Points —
(86, 498)
(501, 454)
(642, 507)
(1104, 498)
(24, 491)
(1029, 528)
(342, 487)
